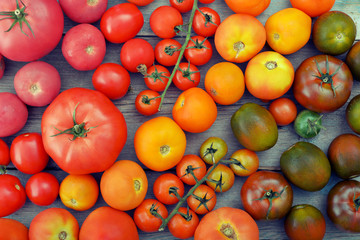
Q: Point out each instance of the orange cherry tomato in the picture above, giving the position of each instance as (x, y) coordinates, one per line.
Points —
(247, 162)
(283, 110)
(254, 7)
(203, 199)
(191, 163)
(221, 179)
(313, 8)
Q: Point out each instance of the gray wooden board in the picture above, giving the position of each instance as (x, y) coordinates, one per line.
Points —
(334, 122)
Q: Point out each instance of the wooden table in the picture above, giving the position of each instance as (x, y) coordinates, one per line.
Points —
(335, 122)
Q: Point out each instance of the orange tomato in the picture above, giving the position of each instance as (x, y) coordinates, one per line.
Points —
(239, 37)
(248, 162)
(254, 7)
(79, 192)
(124, 185)
(288, 30)
(221, 179)
(269, 75)
(194, 110)
(313, 8)
(12, 229)
(224, 82)
(159, 143)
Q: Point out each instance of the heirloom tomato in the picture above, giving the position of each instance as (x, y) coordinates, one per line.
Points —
(167, 51)
(353, 60)
(189, 164)
(322, 83)
(35, 25)
(168, 188)
(313, 8)
(253, 8)
(182, 5)
(308, 124)
(227, 223)
(283, 110)
(213, 149)
(183, 224)
(12, 194)
(77, 124)
(206, 21)
(147, 102)
(165, 20)
(288, 30)
(198, 50)
(266, 195)
(186, 76)
(239, 42)
(145, 215)
(157, 77)
(202, 200)
(85, 11)
(160, 143)
(221, 179)
(42, 188)
(353, 114)
(12, 229)
(4, 153)
(246, 162)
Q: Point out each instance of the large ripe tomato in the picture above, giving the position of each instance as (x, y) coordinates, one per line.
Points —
(4, 153)
(167, 51)
(12, 194)
(73, 128)
(322, 83)
(202, 200)
(288, 30)
(239, 42)
(184, 224)
(46, 22)
(253, 8)
(42, 188)
(353, 60)
(186, 76)
(313, 8)
(164, 21)
(121, 22)
(198, 50)
(12, 229)
(269, 75)
(283, 110)
(159, 143)
(88, 11)
(190, 167)
(124, 185)
(227, 223)
(266, 195)
(168, 188)
(206, 21)
(146, 215)
(343, 204)
(147, 102)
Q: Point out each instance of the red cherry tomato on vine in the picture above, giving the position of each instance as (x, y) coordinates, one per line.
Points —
(283, 110)
(186, 76)
(191, 163)
(182, 5)
(167, 52)
(42, 188)
(206, 20)
(145, 215)
(4, 153)
(164, 21)
(147, 102)
(203, 199)
(198, 50)
(183, 225)
(168, 188)
(141, 2)
(157, 77)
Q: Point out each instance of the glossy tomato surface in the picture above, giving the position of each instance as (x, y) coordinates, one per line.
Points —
(12, 194)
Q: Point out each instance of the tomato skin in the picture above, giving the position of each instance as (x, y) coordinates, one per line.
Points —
(42, 188)
(207, 194)
(248, 162)
(145, 220)
(147, 102)
(313, 8)
(353, 60)
(141, 2)
(206, 1)
(308, 124)
(224, 177)
(163, 21)
(182, 5)
(206, 22)
(28, 154)
(183, 228)
(334, 92)
(99, 115)
(164, 184)
(4, 153)
(352, 114)
(198, 51)
(84, 11)
(213, 149)
(13, 229)
(194, 162)
(167, 52)
(283, 110)
(157, 77)
(121, 22)
(253, 8)
(12, 194)
(186, 76)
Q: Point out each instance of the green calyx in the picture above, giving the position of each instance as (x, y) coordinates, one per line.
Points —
(271, 195)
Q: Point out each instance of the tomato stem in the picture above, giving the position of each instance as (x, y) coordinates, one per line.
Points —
(270, 195)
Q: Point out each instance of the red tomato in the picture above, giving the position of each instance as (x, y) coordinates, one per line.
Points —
(183, 224)
(164, 20)
(13, 230)
(2, 66)
(137, 55)
(198, 50)
(313, 8)
(73, 129)
(147, 102)
(84, 11)
(167, 52)
(186, 76)
(283, 110)
(43, 35)
(111, 79)
(12, 194)
(190, 167)
(28, 154)
(206, 1)
(203, 199)
(182, 5)
(145, 215)
(206, 20)
(42, 188)
(4, 153)
(121, 22)
(157, 77)
(141, 2)
(168, 188)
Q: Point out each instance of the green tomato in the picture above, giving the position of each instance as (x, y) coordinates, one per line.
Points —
(353, 114)
(308, 124)
(353, 60)
(213, 149)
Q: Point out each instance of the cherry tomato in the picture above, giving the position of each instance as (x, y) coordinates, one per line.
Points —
(213, 149)
(145, 215)
(147, 102)
(141, 2)
(246, 162)
(42, 188)
(190, 167)
(164, 20)
(203, 199)
(182, 5)
(167, 51)
(206, 1)
(221, 179)
(4, 153)
(198, 50)
(12, 194)
(186, 76)
(184, 223)
(206, 20)
(168, 188)
(283, 110)
(157, 77)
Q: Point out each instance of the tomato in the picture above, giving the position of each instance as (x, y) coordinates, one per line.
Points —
(121, 22)
(266, 195)
(198, 50)
(227, 223)
(283, 110)
(343, 205)
(313, 8)
(203, 199)
(352, 114)
(305, 221)
(206, 1)
(224, 82)
(54, 223)
(288, 30)
(141, 2)
(164, 21)
(146, 215)
(194, 110)
(147, 102)
(213, 149)
(79, 192)
(269, 75)
(182, 6)
(12, 229)
(254, 127)
(184, 223)
(334, 32)
(84, 11)
(168, 188)
(43, 35)
(191, 169)
(4, 153)
(27, 153)
(159, 143)
(12, 194)
(253, 8)
(353, 60)
(186, 76)
(322, 83)
(124, 185)
(308, 124)
(221, 179)
(206, 21)
(42, 188)
(2, 66)
(111, 79)
(157, 77)
(306, 166)
(37, 83)
(108, 223)
(167, 51)
(344, 155)
(239, 42)
(246, 162)
(15, 114)
(137, 55)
